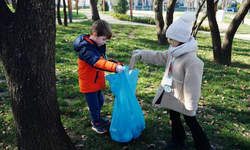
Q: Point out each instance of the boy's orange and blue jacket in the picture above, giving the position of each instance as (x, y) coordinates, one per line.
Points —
(92, 64)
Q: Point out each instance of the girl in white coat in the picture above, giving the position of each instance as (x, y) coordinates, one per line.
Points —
(180, 87)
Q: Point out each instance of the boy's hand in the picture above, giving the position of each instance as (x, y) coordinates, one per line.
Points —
(119, 68)
(136, 53)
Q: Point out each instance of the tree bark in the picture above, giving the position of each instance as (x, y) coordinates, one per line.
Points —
(215, 33)
(159, 22)
(94, 10)
(58, 12)
(27, 52)
(170, 12)
(14, 3)
(195, 26)
(229, 35)
(222, 54)
(65, 14)
(77, 7)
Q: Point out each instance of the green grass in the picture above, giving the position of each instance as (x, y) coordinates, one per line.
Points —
(224, 108)
(74, 15)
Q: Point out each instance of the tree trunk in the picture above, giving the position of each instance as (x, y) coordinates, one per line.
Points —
(195, 26)
(159, 22)
(94, 10)
(169, 16)
(13, 3)
(77, 7)
(58, 12)
(215, 33)
(229, 35)
(170, 12)
(28, 56)
(65, 14)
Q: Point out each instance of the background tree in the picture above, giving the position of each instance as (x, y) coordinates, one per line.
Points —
(196, 25)
(222, 54)
(27, 52)
(120, 6)
(58, 12)
(229, 35)
(94, 11)
(160, 25)
(65, 14)
(13, 2)
(77, 6)
(159, 22)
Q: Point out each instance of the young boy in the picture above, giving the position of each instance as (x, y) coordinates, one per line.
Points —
(92, 63)
(180, 86)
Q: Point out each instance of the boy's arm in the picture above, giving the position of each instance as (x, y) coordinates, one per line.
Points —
(90, 57)
(114, 61)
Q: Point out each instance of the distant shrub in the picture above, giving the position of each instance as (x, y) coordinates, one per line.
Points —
(120, 6)
(219, 6)
(122, 17)
(238, 6)
(126, 17)
(204, 28)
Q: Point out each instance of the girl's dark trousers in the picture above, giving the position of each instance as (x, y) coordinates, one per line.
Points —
(178, 134)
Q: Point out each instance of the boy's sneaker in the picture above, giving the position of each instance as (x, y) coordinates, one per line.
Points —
(103, 121)
(175, 145)
(99, 128)
(212, 148)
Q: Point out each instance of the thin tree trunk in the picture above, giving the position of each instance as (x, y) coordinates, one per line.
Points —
(170, 12)
(229, 35)
(14, 3)
(196, 27)
(58, 12)
(159, 22)
(94, 10)
(77, 7)
(215, 33)
(65, 14)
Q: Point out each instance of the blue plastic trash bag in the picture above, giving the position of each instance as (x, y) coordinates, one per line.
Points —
(127, 118)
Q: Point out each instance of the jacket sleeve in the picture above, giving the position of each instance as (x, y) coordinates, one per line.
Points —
(192, 85)
(94, 60)
(105, 65)
(117, 62)
(155, 57)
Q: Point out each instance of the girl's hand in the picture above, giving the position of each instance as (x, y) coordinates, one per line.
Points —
(136, 53)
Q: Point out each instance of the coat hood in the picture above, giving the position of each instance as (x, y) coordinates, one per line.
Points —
(83, 40)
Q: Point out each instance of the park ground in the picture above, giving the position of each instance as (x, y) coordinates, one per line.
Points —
(224, 107)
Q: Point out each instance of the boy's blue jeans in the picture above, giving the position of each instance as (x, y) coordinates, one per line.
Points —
(95, 102)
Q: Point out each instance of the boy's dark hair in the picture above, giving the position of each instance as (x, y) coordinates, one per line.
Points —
(102, 28)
